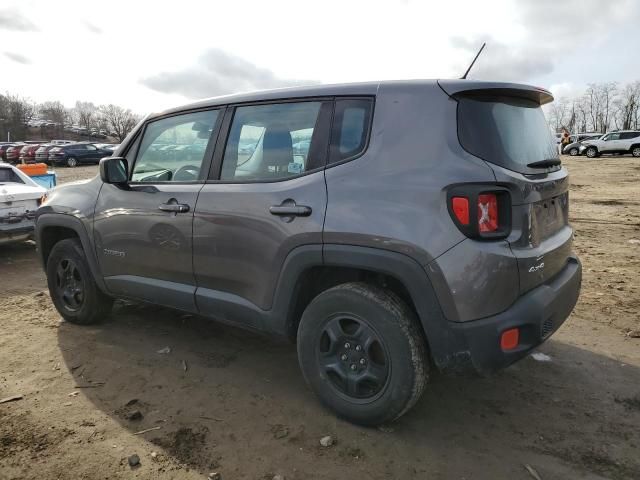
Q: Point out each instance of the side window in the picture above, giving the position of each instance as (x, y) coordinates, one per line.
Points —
(172, 149)
(628, 135)
(276, 141)
(614, 136)
(91, 148)
(351, 123)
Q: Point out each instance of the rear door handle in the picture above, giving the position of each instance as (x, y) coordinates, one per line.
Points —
(290, 210)
(173, 206)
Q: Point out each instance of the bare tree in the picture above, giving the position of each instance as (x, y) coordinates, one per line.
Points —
(85, 113)
(628, 103)
(558, 114)
(582, 114)
(607, 92)
(53, 111)
(17, 112)
(120, 121)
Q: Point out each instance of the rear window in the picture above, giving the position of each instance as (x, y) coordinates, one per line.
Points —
(628, 135)
(7, 175)
(507, 131)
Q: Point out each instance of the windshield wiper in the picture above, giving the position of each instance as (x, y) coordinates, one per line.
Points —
(550, 162)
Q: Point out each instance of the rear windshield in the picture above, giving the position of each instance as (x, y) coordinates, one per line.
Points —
(508, 131)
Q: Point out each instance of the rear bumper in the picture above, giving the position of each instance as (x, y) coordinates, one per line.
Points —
(16, 233)
(475, 345)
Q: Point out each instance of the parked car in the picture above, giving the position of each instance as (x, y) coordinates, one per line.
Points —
(12, 154)
(61, 142)
(432, 234)
(624, 141)
(42, 153)
(28, 153)
(573, 148)
(3, 150)
(77, 153)
(19, 199)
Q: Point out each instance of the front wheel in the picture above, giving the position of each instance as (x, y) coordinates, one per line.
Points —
(573, 152)
(71, 285)
(635, 151)
(592, 152)
(72, 162)
(362, 352)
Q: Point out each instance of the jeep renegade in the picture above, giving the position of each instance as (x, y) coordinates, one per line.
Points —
(387, 228)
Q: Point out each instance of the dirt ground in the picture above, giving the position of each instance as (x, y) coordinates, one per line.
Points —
(227, 401)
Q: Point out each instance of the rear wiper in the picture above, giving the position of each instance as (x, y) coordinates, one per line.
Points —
(550, 162)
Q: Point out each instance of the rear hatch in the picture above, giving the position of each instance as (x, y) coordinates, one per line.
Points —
(504, 125)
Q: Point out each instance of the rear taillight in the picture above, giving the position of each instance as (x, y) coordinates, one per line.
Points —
(480, 211)
(460, 207)
(487, 212)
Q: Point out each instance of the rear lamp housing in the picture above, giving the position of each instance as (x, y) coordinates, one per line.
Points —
(481, 212)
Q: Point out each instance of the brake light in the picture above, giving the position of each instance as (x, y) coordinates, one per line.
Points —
(460, 207)
(487, 212)
(480, 211)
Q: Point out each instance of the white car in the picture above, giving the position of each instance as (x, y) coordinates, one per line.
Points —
(624, 141)
(20, 197)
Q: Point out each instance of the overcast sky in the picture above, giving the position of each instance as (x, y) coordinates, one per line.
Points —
(152, 55)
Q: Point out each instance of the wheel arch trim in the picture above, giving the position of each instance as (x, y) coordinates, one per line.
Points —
(403, 268)
(58, 220)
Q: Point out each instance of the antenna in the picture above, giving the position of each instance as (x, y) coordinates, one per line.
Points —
(464, 77)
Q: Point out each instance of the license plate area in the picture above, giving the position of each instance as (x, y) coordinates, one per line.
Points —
(548, 217)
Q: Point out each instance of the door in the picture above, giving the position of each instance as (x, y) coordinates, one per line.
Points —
(267, 196)
(611, 143)
(143, 231)
(92, 154)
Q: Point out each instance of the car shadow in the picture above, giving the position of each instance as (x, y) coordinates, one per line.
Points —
(235, 401)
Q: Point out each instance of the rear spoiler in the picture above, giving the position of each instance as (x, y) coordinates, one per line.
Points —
(454, 88)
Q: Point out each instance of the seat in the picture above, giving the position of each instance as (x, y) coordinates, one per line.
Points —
(277, 152)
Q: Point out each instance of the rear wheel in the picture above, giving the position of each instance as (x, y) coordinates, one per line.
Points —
(592, 152)
(635, 150)
(72, 162)
(362, 352)
(573, 152)
(71, 285)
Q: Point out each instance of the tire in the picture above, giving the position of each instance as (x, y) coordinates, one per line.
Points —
(362, 352)
(635, 150)
(592, 152)
(71, 285)
(72, 162)
(573, 152)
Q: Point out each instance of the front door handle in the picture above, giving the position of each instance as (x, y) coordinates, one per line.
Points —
(290, 210)
(173, 206)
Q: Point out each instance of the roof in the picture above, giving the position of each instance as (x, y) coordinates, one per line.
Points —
(450, 87)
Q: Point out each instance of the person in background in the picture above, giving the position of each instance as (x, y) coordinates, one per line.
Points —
(566, 139)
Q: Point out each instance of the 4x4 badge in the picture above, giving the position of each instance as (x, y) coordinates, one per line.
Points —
(535, 268)
(113, 253)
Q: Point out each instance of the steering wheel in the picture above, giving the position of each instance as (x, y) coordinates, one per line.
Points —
(189, 172)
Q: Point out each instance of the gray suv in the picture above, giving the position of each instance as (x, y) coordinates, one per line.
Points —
(389, 229)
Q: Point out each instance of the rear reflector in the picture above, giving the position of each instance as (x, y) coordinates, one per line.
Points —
(460, 207)
(487, 212)
(510, 339)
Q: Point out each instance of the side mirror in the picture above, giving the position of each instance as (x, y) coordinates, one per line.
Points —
(114, 170)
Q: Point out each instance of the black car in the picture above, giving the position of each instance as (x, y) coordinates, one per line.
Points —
(76, 153)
